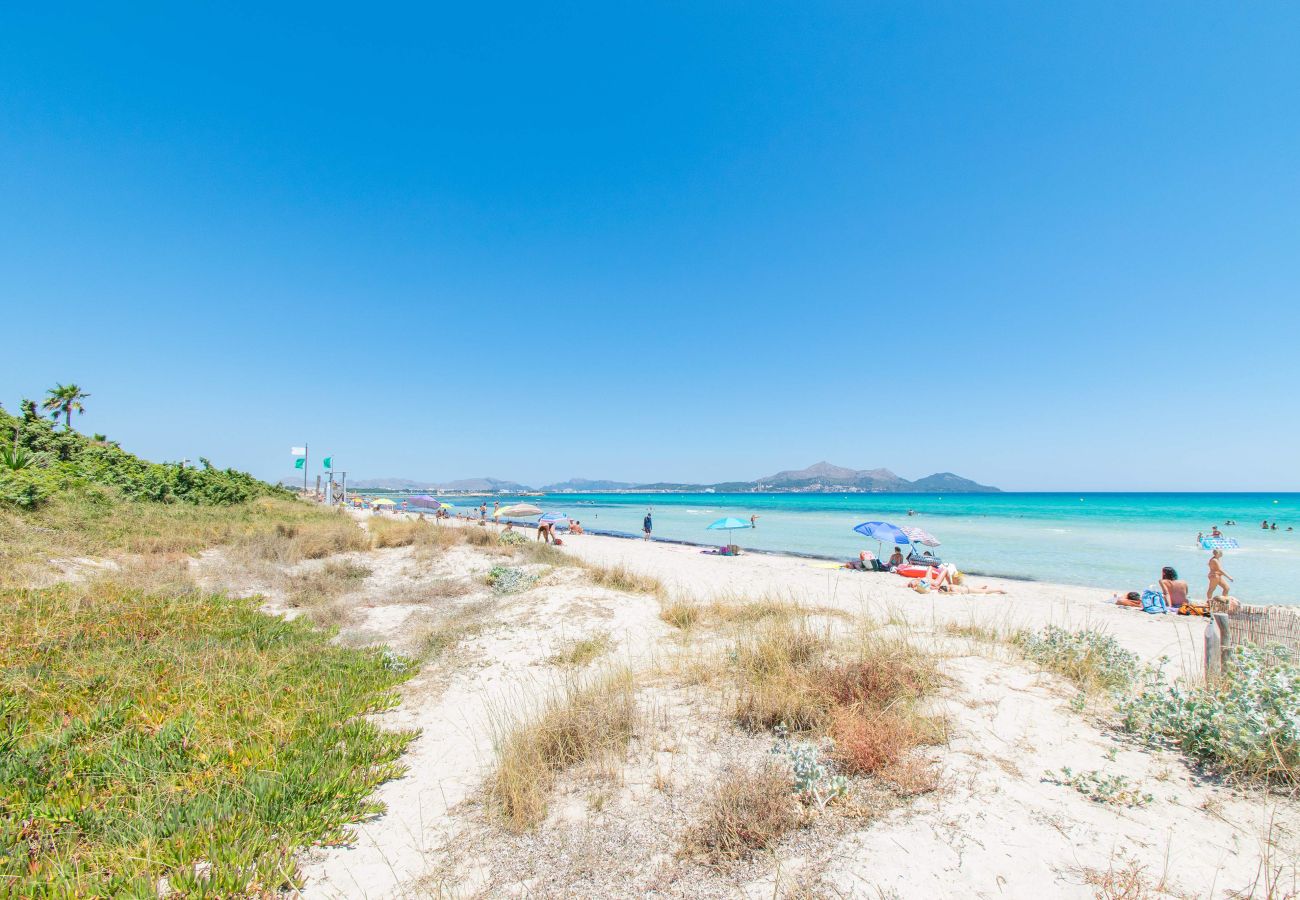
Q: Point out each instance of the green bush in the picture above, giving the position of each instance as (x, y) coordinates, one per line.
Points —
(59, 456)
(1247, 722)
(1092, 659)
(179, 735)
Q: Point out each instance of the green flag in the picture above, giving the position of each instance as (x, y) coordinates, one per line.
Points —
(328, 463)
(299, 462)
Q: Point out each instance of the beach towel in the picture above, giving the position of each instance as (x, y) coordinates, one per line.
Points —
(1153, 601)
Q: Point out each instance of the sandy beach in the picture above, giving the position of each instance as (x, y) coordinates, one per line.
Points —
(990, 825)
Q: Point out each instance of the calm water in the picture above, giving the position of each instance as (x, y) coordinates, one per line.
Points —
(1109, 541)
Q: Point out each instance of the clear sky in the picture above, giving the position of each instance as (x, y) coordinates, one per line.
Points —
(1043, 245)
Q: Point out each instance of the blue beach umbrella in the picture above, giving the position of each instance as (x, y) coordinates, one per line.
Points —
(884, 532)
(728, 524)
(553, 517)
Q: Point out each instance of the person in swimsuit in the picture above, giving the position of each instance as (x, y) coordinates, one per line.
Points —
(1175, 591)
(1218, 578)
(647, 526)
(897, 558)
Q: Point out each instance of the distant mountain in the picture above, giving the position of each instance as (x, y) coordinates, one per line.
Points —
(948, 483)
(390, 484)
(489, 485)
(820, 477)
(587, 485)
(824, 476)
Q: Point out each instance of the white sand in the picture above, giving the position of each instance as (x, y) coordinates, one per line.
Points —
(994, 829)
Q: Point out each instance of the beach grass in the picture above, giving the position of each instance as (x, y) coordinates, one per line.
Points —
(621, 578)
(584, 720)
(94, 521)
(746, 811)
(178, 740)
(583, 651)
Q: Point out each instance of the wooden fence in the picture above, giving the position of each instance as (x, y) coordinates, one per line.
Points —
(1263, 626)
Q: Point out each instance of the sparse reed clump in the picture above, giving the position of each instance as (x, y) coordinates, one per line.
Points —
(324, 583)
(583, 721)
(582, 651)
(749, 809)
(401, 532)
(621, 578)
(680, 613)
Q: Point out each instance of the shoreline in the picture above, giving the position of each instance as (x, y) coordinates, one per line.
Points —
(702, 577)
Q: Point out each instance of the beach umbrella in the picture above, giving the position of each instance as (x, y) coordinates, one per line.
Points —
(519, 509)
(884, 532)
(424, 501)
(1220, 543)
(382, 501)
(919, 535)
(554, 517)
(729, 524)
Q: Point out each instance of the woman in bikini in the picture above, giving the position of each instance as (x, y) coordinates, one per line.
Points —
(1218, 578)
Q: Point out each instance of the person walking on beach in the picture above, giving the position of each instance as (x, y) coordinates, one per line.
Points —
(482, 512)
(1218, 577)
(647, 526)
(753, 521)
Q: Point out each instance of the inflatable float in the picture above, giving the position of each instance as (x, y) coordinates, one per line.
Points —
(913, 571)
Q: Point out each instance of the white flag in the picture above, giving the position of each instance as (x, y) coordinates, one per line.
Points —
(298, 451)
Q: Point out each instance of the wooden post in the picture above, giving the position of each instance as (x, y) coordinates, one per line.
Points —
(1213, 651)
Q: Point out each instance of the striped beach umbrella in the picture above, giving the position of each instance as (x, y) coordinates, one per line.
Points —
(919, 535)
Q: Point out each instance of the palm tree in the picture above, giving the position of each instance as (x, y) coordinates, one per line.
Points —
(62, 400)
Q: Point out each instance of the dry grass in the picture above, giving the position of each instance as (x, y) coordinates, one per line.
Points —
(748, 810)
(385, 532)
(432, 591)
(584, 721)
(289, 543)
(546, 554)
(868, 698)
(620, 578)
(582, 651)
(680, 613)
(320, 585)
(985, 634)
(441, 638)
(734, 612)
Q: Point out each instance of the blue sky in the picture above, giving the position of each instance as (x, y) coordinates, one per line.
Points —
(1046, 246)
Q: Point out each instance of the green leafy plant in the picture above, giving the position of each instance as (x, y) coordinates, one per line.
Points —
(509, 580)
(1115, 790)
(1245, 722)
(1091, 659)
(179, 736)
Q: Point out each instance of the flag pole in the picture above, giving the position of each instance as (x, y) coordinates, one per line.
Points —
(304, 469)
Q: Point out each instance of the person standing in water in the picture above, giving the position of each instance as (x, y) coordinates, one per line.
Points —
(753, 521)
(647, 526)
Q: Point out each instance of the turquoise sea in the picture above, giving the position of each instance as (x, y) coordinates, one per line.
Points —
(1108, 541)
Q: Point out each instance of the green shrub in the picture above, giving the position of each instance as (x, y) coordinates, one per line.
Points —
(143, 735)
(509, 580)
(1247, 722)
(56, 457)
(1092, 659)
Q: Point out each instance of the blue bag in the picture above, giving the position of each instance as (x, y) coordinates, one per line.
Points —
(1153, 601)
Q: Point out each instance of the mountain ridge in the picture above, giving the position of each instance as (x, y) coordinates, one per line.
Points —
(820, 477)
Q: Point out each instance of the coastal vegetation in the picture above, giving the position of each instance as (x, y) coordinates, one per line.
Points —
(157, 737)
(178, 738)
(586, 719)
